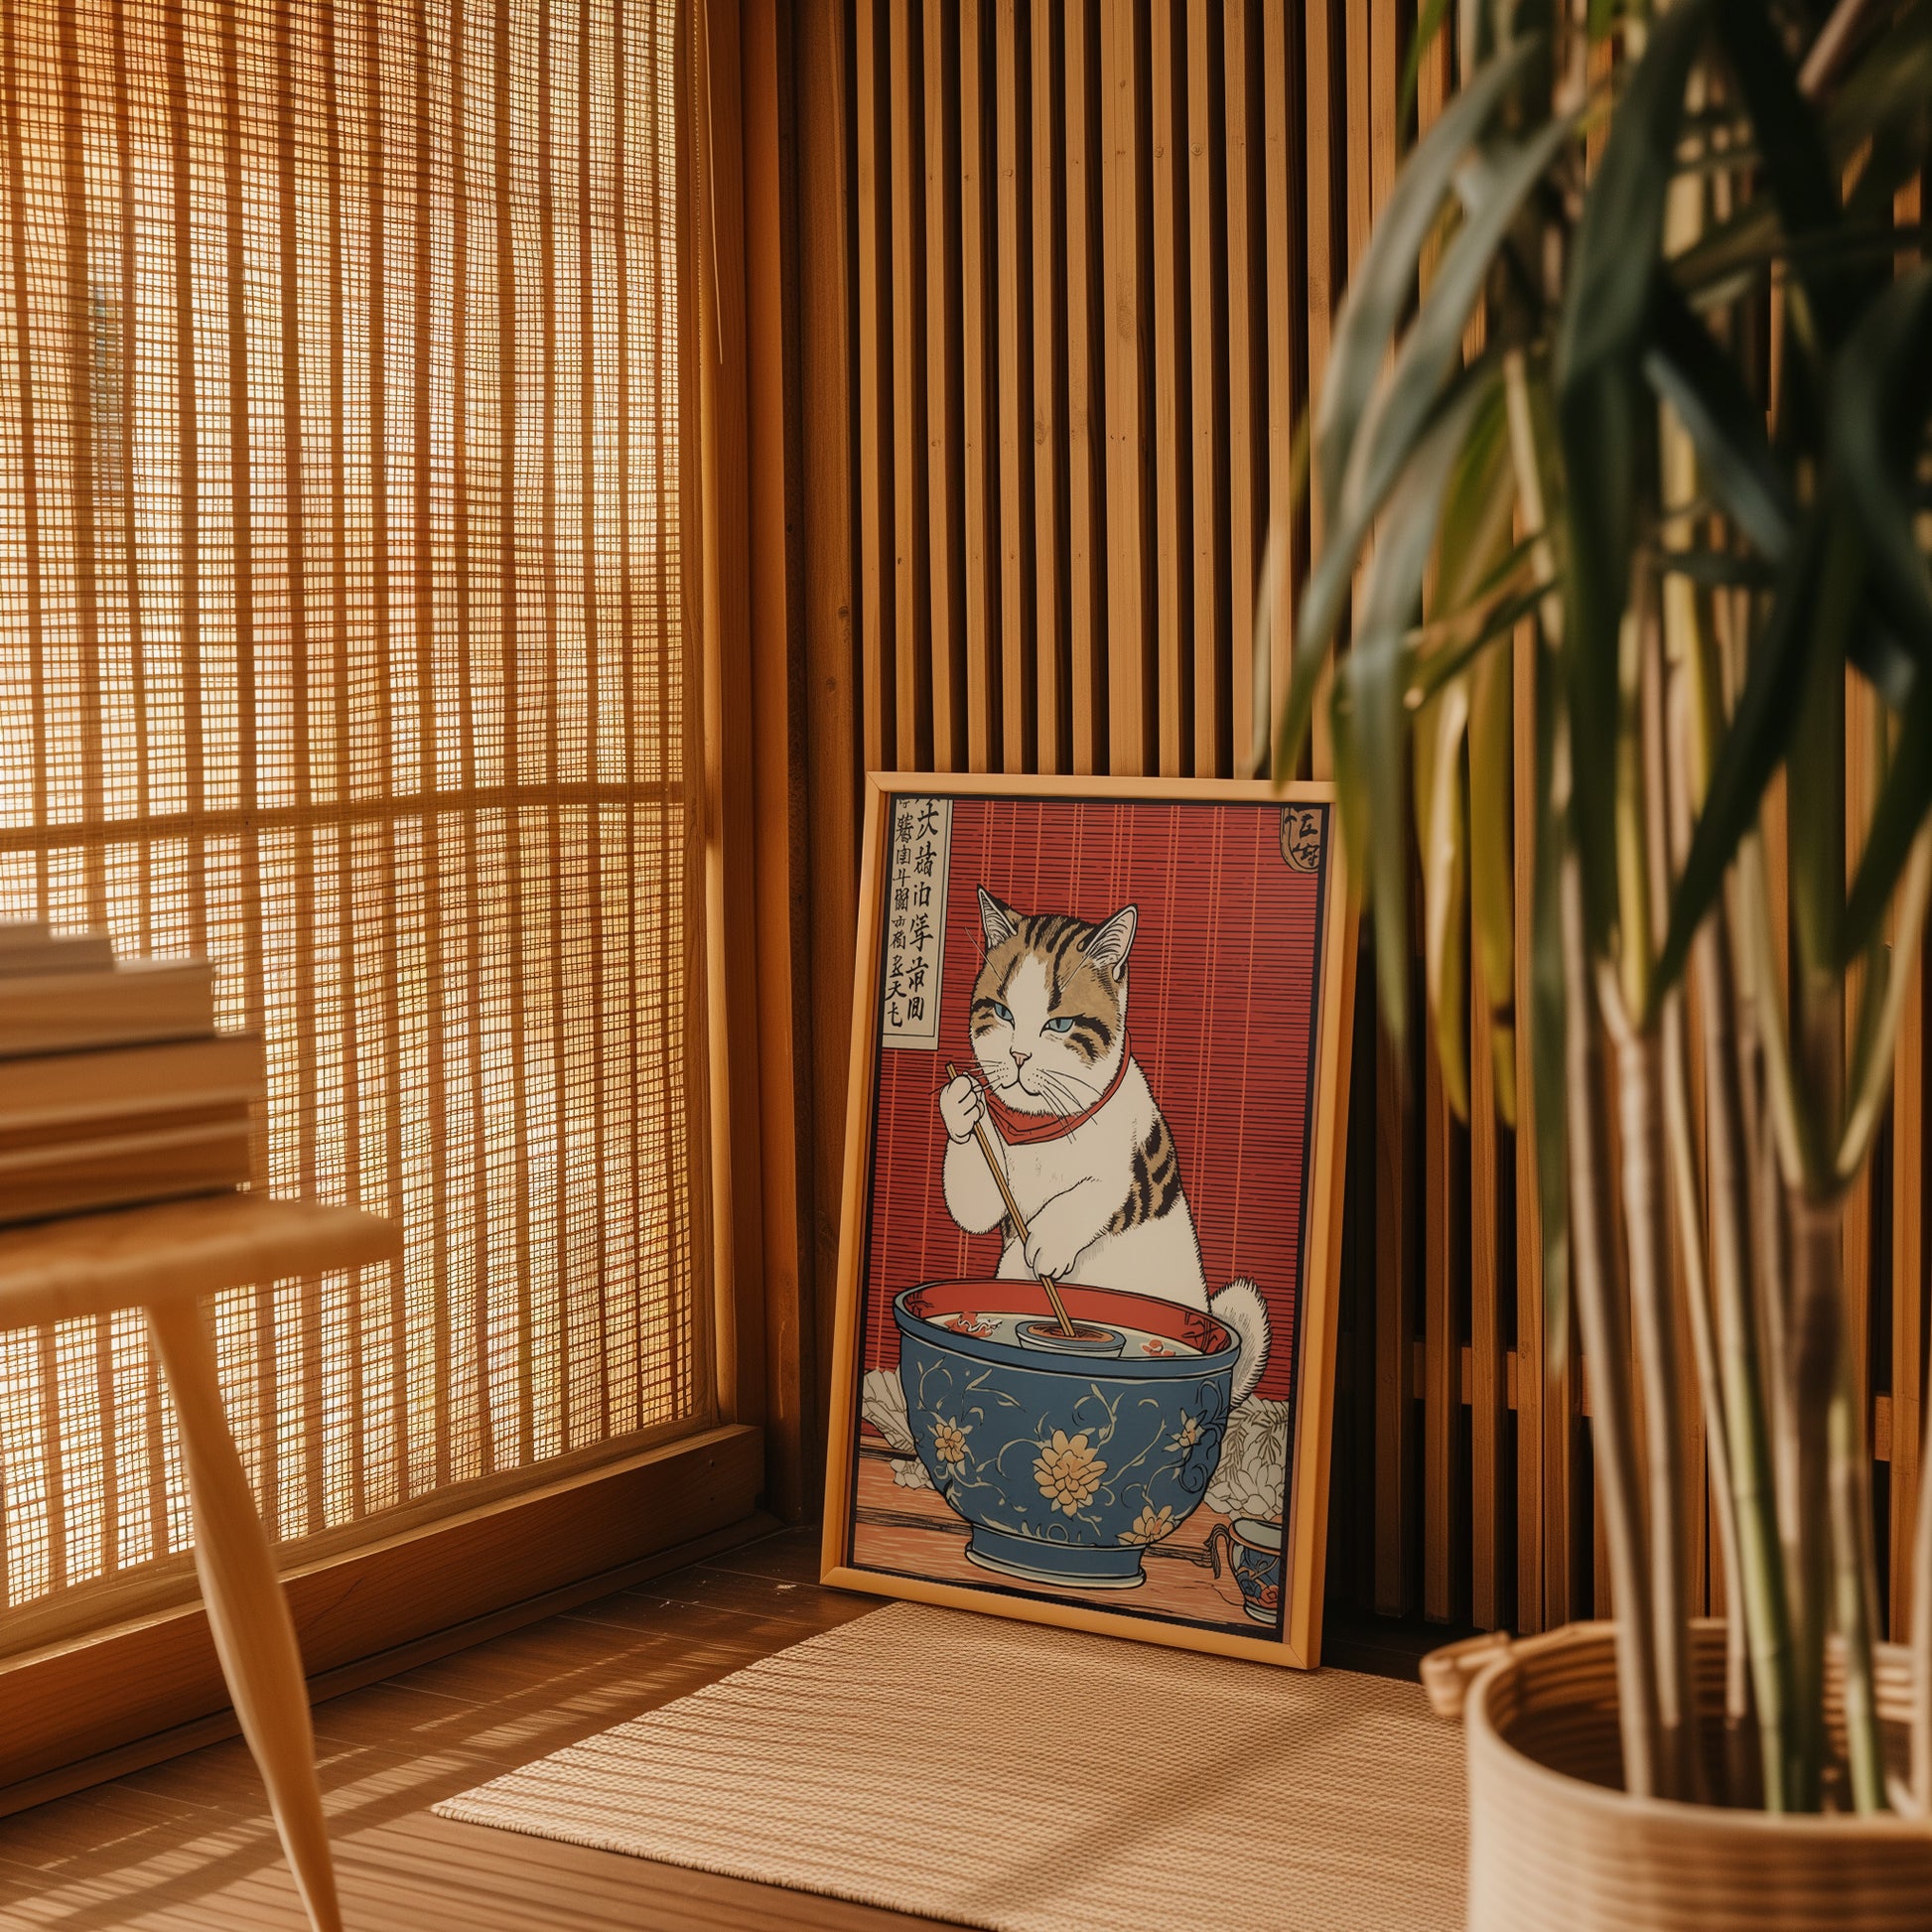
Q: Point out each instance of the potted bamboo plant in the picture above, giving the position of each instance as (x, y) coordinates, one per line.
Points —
(1687, 441)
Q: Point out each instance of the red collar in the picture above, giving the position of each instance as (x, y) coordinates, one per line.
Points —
(1017, 1128)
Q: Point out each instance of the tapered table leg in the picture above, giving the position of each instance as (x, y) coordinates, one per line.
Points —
(254, 1636)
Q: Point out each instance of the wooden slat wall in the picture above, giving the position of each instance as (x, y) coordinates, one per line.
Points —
(1085, 283)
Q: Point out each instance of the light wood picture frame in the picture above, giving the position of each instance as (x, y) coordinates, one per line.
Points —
(1084, 1361)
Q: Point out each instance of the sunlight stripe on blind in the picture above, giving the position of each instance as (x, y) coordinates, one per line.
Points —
(341, 640)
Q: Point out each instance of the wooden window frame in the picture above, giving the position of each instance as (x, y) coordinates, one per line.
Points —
(132, 1693)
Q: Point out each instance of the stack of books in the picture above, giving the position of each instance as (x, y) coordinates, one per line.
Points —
(114, 1086)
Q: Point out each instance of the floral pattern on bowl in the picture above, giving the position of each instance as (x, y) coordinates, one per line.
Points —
(1066, 1467)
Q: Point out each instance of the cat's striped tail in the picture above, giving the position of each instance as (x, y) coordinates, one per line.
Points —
(1240, 1308)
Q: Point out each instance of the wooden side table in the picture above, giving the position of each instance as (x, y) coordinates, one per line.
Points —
(162, 1260)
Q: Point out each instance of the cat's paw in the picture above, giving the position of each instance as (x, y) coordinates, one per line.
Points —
(961, 1107)
(1051, 1247)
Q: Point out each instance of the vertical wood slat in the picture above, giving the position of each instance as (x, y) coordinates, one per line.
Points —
(1488, 1358)
(1207, 336)
(1442, 1350)
(1277, 76)
(976, 434)
(1319, 49)
(1542, 1401)
(912, 664)
(1013, 210)
(1049, 425)
(826, 502)
(1373, 62)
(1860, 717)
(874, 498)
(1086, 450)
(945, 582)
(1173, 546)
(791, 1418)
(1125, 333)
(1442, 1330)
(1246, 257)
(1911, 1171)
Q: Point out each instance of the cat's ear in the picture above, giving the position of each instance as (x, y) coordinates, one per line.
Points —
(1000, 921)
(1110, 942)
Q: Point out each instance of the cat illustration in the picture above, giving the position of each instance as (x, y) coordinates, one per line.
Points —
(1087, 1152)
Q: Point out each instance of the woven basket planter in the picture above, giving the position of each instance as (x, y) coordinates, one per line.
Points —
(1555, 1843)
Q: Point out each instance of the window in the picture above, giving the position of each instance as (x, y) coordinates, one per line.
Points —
(342, 638)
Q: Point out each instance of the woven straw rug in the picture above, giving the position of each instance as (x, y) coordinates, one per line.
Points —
(1030, 1780)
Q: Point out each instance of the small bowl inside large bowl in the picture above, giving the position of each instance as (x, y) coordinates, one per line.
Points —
(1068, 1465)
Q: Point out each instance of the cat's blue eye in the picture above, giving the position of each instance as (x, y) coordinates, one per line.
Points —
(1003, 1010)
(1063, 1024)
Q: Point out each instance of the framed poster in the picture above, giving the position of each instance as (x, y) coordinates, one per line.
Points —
(1085, 1348)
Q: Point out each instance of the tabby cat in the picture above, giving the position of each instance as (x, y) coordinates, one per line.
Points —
(1087, 1152)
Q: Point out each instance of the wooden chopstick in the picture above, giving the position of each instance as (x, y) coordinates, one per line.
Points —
(1012, 1208)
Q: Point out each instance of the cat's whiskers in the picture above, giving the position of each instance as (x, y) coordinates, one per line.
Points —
(1053, 1103)
(1059, 1093)
(1076, 1080)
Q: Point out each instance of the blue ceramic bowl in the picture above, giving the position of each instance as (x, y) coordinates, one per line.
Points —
(1067, 1466)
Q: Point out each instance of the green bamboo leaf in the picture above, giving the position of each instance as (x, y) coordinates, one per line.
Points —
(1703, 388)
(1759, 732)
(1703, 385)
(1384, 280)
(1548, 1024)
(1797, 169)
(1881, 111)
(1444, 878)
(1430, 674)
(1881, 394)
(1478, 513)
(1433, 348)
(1375, 673)
(1472, 832)
(1475, 29)
(1814, 759)
(1386, 434)
(1620, 235)
(1602, 420)
(1493, 814)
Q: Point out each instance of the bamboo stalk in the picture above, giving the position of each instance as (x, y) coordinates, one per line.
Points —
(1814, 1369)
(1692, 1219)
(1604, 1322)
(1626, 997)
(1646, 1226)
(1855, 1591)
(1758, 1593)
(1761, 1581)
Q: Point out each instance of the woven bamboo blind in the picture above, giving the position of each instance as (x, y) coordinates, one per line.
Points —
(341, 640)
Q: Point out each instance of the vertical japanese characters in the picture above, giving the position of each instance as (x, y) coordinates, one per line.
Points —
(915, 923)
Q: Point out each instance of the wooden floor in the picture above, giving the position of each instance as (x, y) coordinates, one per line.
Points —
(187, 1845)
